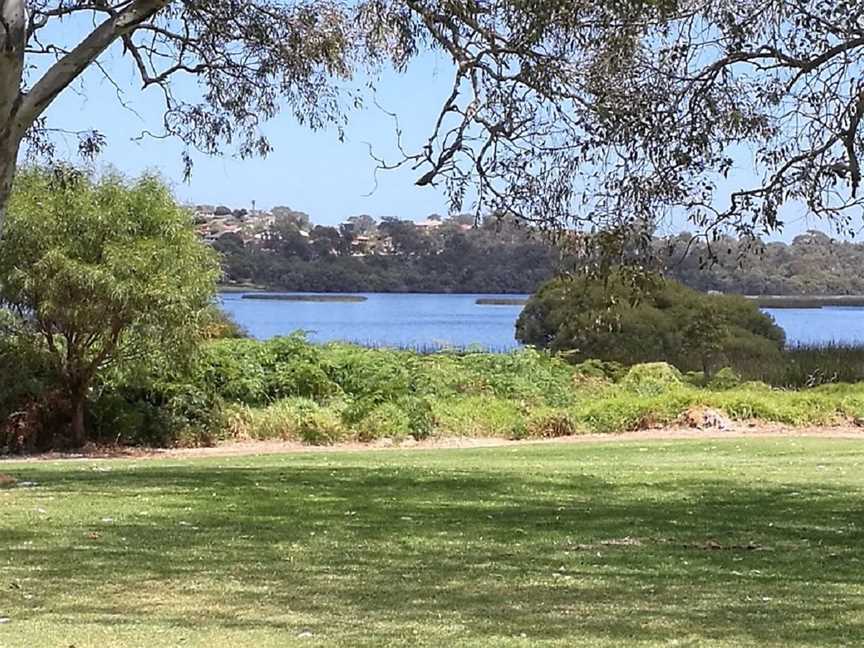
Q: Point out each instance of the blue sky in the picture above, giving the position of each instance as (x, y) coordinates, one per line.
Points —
(309, 171)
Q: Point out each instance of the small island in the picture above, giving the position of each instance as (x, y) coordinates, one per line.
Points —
(307, 298)
(808, 301)
(501, 301)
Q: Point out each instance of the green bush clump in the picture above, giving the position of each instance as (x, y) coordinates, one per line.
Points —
(387, 421)
(479, 416)
(695, 378)
(652, 378)
(420, 413)
(376, 375)
(625, 411)
(292, 419)
(291, 389)
(549, 423)
(320, 426)
(617, 319)
(594, 369)
(726, 378)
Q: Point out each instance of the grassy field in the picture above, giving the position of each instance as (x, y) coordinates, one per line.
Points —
(746, 542)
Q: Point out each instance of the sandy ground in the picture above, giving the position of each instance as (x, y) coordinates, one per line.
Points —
(253, 448)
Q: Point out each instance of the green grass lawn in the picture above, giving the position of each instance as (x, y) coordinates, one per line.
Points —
(710, 543)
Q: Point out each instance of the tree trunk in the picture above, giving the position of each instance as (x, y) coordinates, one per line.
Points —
(79, 432)
(13, 41)
(8, 162)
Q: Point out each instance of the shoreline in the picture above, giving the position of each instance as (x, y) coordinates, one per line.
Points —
(813, 302)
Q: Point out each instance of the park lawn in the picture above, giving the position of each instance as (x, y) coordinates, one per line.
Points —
(737, 542)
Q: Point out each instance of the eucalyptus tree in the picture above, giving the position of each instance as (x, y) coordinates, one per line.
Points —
(586, 113)
(733, 113)
(515, 95)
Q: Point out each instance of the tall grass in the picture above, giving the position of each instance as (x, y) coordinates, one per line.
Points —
(289, 388)
(806, 365)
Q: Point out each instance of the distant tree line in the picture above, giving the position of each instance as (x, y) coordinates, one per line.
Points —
(813, 264)
(398, 256)
(390, 256)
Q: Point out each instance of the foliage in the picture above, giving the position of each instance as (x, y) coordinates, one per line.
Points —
(510, 260)
(652, 378)
(237, 389)
(726, 378)
(495, 137)
(217, 324)
(598, 370)
(101, 271)
(549, 423)
(387, 420)
(707, 88)
(809, 366)
(613, 320)
(447, 259)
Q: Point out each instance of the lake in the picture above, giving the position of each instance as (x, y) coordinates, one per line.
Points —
(438, 321)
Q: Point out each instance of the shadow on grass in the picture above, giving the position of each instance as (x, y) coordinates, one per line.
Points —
(491, 554)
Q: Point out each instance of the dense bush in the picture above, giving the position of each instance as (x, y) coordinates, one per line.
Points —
(385, 421)
(290, 389)
(652, 379)
(102, 271)
(616, 321)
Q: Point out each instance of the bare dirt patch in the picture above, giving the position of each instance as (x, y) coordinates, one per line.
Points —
(252, 448)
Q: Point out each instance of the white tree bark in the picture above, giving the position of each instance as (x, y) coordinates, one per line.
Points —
(13, 40)
(60, 75)
(19, 110)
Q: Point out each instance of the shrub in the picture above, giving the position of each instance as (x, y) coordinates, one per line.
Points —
(651, 379)
(303, 378)
(549, 423)
(107, 270)
(216, 324)
(479, 416)
(599, 370)
(726, 378)
(291, 419)
(614, 320)
(625, 411)
(321, 427)
(695, 378)
(421, 416)
(385, 421)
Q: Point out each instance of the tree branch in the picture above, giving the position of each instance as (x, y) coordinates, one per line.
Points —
(67, 69)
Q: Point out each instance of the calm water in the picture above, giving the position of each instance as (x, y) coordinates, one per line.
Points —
(401, 320)
(425, 321)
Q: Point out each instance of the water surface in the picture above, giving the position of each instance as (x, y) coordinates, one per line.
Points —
(439, 321)
(395, 320)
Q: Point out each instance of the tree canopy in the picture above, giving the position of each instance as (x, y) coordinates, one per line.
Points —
(595, 115)
(511, 61)
(101, 271)
(615, 320)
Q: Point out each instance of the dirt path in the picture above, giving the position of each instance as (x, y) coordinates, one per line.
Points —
(253, 448)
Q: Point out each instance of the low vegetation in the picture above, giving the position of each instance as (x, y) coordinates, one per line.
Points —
(729, 544)
(106, 315)
(290, 389)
